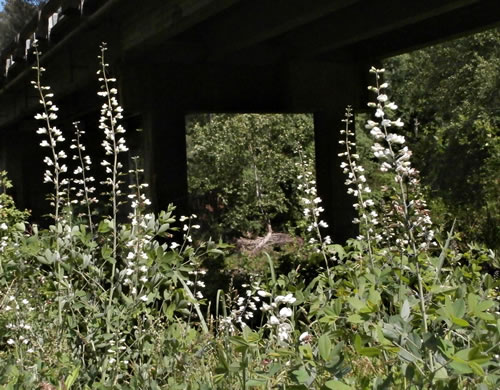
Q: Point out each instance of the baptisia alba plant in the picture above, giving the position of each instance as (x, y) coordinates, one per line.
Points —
(94, 302)
(407, 308)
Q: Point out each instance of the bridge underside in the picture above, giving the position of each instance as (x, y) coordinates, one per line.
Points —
(173, 58)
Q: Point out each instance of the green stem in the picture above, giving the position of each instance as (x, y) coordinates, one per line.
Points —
(204, 326)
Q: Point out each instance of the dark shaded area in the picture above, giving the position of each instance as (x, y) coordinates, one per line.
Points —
(174, 57)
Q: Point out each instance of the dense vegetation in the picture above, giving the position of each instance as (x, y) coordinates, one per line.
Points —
(450, 96)
(92, 303)
(243, 173)
(13, 17)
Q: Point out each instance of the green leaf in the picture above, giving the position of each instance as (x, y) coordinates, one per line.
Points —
(282, 353)
(460, 362)
(405, 310)
(472, 300)
(441, 373)
(163, 228)
(274, 369)
(104, 226)
(325, 346)
(355, 319)
(222, 359)
(486, 316)
(250, 336)
(446, 347)
(72, 378)
(239, 341)
(485, 305)
(406, 355)
(459, 321)
(477, 355)
(459, 308)
(476, 368)
(20, 226)
(357, 342)
(374, 298)
(365, 351)
(337, 385)
(256, 382)
(306, 351)
(370, 351)
(106, 252)
(339, 250)
(379, 337)
(301, 376)
(359, 305)
(436, 289)
(329, 319)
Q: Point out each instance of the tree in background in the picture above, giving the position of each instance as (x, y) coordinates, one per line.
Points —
(15, 14)
(451, 96)
(242, 173)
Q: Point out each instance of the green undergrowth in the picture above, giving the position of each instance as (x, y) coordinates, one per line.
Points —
(95, 303)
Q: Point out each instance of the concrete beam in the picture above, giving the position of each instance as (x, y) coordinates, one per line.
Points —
(254, 22)
(362, 21)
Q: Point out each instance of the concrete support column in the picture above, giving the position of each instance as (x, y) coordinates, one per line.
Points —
(326, 89)
(165, 157)
(339, 211)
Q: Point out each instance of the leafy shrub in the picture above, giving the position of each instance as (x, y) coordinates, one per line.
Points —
(242, 173)
(450, 96)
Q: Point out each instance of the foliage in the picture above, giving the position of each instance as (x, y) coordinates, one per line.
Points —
(8, 212)
(242, 172)
(101, 304)
(13, 17)
(450, 95)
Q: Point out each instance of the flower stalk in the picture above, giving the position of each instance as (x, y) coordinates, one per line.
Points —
(56, 168)
(356, 184)
(410, 215)
(114, 144)
(312, 208)
(84, 163)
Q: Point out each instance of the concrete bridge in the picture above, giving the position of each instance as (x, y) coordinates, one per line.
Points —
(175, 57)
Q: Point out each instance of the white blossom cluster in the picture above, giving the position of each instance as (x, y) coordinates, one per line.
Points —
(52, 137)
(244, 308)
(408, 215)
(83, 182)
(135, 274)
(115, 349)
(4, 240)
(111, 113)
(197, 284)
(305, 338)
(187, 227)
(280, 313)
(20, 332)
(136, 269)
(357, 185)
(311, 203)
(246, 305)
(226, 324)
